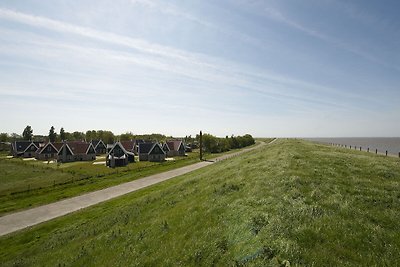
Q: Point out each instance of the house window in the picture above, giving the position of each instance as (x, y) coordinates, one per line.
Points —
(49, 148)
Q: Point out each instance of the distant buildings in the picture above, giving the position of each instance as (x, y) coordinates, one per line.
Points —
(118, 154)
(174, 148)
(25, 149)
(99, 146)
(48, 151)
(151, 152)
(62, 152)
(76, 151)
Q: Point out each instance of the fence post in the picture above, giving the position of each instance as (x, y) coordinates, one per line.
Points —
(367, 149)
(376, 151)
(350, 147)
(386, 153)
(360, 148)
(399, 154)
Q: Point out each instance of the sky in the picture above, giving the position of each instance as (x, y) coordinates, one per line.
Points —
(314, 68)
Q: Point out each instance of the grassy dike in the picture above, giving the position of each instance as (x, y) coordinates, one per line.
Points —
(292, 201)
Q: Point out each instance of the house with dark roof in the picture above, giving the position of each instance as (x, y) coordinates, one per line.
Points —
(156, 153)
(48, 151)
(99, 146)
(26, 149)
(165, 148)
(151, 152)
(76, 151)
(118, 156)
(109, 147)
(137, 142)
(129, 145)
(175, 148)
(188, 148)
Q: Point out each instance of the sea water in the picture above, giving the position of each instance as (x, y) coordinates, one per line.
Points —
(382, 144)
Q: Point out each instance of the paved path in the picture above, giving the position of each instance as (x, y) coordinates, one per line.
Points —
(20, 220)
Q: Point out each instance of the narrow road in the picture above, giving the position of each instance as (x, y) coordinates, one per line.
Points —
(20, 220)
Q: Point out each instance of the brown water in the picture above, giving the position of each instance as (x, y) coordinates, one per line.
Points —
(391, 144)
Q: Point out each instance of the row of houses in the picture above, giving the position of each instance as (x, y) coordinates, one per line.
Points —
(61, 151)
(118, 154)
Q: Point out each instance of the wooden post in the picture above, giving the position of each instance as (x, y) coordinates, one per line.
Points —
(201, 145)
(360, 148)
(376, 151)
(368, 150)
(399, 154)
(350, 147)
(386, 153)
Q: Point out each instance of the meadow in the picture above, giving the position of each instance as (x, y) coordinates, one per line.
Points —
(291, 203)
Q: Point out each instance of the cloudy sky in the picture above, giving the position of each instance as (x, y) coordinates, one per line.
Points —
(268, 68)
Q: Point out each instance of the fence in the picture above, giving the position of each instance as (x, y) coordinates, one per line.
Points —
(385, 152)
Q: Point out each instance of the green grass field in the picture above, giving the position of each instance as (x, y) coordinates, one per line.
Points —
(25, 184)
(290, 202)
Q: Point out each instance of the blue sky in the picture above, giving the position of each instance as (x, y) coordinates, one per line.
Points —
(268, 68)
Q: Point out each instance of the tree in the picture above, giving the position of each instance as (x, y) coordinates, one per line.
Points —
(107, 136)
(78, 136)
(91, 135)
(234, 143)
(62, 134)
(15, 136)
(126, 136)
(3, 137)
(52, 135)
(210, 143)
(27, 134)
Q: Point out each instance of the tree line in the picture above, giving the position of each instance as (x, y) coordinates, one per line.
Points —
(107, 136)
(215, 144)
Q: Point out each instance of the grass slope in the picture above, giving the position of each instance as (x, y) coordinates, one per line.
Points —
(292, 201)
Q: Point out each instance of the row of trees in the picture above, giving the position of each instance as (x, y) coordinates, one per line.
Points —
(53, 136)
(214, 144)
(107, 136)
(153, 136)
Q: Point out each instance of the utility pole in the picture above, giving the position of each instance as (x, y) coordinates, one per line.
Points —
(201, 145)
